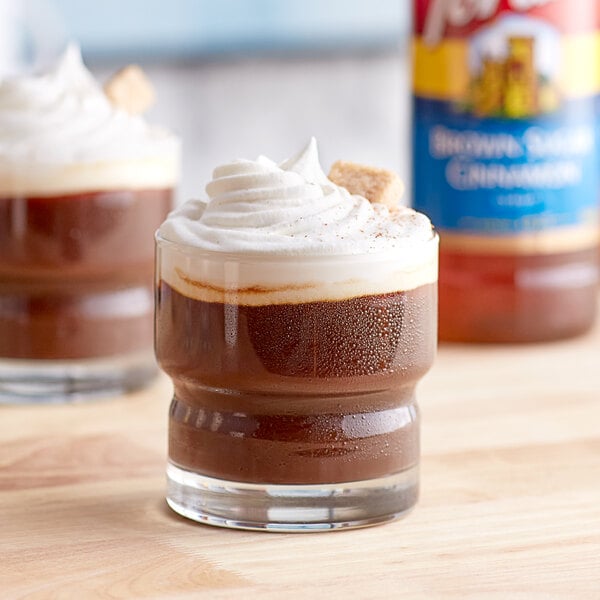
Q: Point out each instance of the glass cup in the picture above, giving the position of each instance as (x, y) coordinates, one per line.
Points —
(294, 384)
(76, 290)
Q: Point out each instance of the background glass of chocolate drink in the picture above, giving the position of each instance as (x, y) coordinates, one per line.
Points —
(76, 238)
(294, 403)
(76, 297)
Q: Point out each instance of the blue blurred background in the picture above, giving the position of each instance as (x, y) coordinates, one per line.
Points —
(241, 77)
(198, 27)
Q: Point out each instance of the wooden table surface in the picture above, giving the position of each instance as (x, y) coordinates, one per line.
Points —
(509, 508)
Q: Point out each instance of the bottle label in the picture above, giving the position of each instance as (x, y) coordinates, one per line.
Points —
(505, 113)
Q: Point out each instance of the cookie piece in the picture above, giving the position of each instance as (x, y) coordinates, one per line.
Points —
(130, 90)
(374, 184)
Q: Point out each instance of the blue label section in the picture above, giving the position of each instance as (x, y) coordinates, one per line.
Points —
(501, 176)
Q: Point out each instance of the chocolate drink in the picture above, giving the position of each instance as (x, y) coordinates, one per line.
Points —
(76, 273)
(316, 392)
(295, 320)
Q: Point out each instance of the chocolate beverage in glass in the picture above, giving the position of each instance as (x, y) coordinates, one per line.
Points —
(295, 321)
(83, 187)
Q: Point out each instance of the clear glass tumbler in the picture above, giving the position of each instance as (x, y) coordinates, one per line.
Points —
(294, 384)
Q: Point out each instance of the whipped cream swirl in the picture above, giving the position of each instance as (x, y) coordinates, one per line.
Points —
(291, 208)
(63, 118)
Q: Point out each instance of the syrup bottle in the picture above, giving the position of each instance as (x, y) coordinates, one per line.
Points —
(505, 160)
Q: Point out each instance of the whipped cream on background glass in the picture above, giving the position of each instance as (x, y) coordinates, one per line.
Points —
(59, 133)
(336, 245)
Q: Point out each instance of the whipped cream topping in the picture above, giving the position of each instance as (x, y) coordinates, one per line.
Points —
(291, 208)
(300, 238)
(60, 133)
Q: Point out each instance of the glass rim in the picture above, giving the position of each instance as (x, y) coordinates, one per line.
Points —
(381, 255)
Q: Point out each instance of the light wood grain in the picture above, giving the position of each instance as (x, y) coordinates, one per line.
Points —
(510, 502)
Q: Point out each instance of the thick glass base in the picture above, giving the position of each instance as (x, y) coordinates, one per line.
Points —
(291, 508)
(56, 381)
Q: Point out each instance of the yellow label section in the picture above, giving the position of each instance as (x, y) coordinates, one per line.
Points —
(442, 72)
